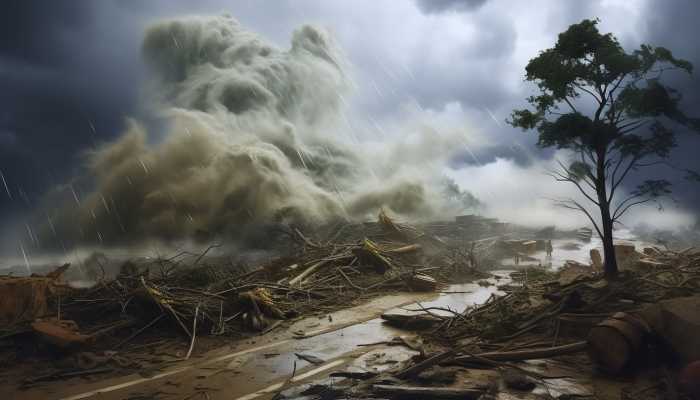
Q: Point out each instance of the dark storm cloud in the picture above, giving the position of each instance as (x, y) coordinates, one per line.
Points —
(439, 6)
(674, 24)
(67, 64)
(68, 81)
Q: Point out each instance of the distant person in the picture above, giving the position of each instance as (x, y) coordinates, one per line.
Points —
(549, 248)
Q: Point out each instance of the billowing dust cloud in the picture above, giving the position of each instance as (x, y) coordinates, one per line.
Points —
(255, 135)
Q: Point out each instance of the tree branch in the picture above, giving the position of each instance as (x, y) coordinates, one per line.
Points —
(574, 205)
(559, 177)
(589, 92)
(617, 216)
(614, 184)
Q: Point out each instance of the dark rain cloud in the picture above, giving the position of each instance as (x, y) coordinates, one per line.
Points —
(68, 65)
(673, 24)
(68, 83)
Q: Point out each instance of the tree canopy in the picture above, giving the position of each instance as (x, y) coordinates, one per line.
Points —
(611, 108)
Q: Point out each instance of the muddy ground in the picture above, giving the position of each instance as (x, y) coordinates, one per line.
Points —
(339, 333)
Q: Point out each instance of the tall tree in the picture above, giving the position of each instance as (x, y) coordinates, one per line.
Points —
(611, 109)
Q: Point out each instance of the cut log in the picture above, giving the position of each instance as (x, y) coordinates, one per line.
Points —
(421, 392)
(616, 341)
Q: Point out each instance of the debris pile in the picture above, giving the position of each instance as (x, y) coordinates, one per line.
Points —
(649, 316)
(357, 261)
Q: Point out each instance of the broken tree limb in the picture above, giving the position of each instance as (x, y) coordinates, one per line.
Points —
(519, 355)
(138, 332)
(297, 279)
(194, 333)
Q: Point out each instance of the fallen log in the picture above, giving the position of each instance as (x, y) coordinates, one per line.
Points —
(520, 355)
(422, 392)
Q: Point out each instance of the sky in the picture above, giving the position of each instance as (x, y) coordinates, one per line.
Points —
(73, 72)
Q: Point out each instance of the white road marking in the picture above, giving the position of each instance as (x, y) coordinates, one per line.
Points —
(278, 386)
(174, 371)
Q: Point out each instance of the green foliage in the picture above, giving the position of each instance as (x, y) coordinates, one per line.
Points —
(653, 188)
(579, 170)
(625, 87)
(611, 108)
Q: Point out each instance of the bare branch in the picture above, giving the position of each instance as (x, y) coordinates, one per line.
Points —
(624, 210)
(559, 177)
(615, 184)
(574, 205)
(629, 127)
(589, 92)
(566, 99)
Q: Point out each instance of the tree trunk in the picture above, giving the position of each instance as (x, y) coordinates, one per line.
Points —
(605, 218)
(608, 243)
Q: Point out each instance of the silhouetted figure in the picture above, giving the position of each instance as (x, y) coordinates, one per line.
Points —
(549, 248)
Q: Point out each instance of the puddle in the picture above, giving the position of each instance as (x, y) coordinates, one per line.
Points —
(572, 249)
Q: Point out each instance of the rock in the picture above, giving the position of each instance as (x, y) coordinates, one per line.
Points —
(514, 379)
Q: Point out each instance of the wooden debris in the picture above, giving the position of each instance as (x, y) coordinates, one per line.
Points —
(423, 283)
(427, 392)
(520, 355)
(63, 334)
(412, 321)
(617, 341)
